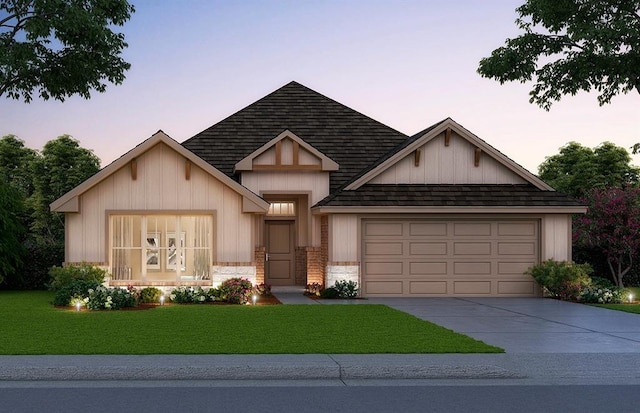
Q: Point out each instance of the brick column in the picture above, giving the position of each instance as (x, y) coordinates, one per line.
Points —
(301, 265)
(259, 259)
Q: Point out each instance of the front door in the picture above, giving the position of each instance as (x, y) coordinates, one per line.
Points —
(280, 258)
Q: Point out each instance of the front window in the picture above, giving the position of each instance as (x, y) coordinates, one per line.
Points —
(161, 247)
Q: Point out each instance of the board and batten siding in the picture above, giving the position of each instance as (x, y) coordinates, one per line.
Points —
(556, 237)
(288, 182)
(344, 238)
(161, 185)
(453, 164)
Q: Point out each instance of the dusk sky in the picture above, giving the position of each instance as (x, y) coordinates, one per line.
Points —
(407, 64)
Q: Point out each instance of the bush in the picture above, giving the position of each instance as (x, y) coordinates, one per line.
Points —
(346, 289)
(35, 271)
(185, 295)
(603, 295)
(263, 289)
(329, 292)
(75, 290)
(236, 290)
(313, 289)
(61, 276)
(562, 280)
(102, 298)
(150, 295)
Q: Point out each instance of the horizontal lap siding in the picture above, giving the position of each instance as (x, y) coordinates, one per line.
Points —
(458, 257)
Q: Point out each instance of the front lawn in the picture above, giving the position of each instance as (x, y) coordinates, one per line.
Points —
(31, 325)
(629, 308)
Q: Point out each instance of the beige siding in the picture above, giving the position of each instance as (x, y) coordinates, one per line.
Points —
(343, 238)
(556, 232)
(288, 182)
(453, 164)
(161, 185)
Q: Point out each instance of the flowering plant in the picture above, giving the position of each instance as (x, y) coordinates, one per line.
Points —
(262, 289)
(313, 289)
(182, 295)
(236, 290)
(603, 295)
(102, 298)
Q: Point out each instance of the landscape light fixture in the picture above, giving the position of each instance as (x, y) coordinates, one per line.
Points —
(255, 298)
(630, 298)
(162, 299)
(78, 305)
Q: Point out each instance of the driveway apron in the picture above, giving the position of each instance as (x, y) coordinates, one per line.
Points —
(529, 325)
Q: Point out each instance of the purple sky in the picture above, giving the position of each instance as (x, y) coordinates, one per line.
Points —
(407, 64)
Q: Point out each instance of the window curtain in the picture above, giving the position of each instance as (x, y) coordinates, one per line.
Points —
(202, 249)
(122, 243)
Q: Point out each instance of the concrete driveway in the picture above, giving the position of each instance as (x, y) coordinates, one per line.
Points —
(529, 325)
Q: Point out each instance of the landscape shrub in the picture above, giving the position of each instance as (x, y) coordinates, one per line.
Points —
(262, 289)
(313, 289)
(329, 292)
(186, 295)
(149, 295)
(72, 291)
(603, 295)
(563, 280)
(236, 290)
(346, 289)
(61, 276)
(102, 298)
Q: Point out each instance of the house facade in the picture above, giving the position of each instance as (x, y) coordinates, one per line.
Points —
(297, 188)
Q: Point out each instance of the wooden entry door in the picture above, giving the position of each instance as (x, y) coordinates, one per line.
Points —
(280, 248)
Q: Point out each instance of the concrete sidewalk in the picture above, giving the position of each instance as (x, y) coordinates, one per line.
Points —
(477, 368)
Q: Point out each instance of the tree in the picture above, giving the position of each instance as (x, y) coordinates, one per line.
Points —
(15, 161)
(11, 230)
(569, 46)
(577, 169)
(61, 48)
(612, 225)
(62, 166)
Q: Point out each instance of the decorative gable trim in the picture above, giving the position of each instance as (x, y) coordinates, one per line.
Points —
(446, 127)
(69, 202)
(248, 164)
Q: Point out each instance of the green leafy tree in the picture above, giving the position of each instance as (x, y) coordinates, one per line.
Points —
(11, 231)
(61, 48)
(577, 169)
(15, 161)
(63, 165)
(569, 46)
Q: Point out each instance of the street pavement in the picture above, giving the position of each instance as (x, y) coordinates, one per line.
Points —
(546, 342)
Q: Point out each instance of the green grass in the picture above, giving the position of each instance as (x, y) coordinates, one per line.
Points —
(629, 308)
(31, 325)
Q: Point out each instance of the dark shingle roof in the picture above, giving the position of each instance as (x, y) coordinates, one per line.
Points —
(449, 195)
(350, 138)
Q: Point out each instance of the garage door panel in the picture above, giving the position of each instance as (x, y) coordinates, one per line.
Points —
(471, 268)
(428, 287)
(517, 248)
(514, 268)
(472, 287)
(516, 287)
(516, 229)
(428, 268)
(388, 229)
(430, 229)
(471, 248)
(383, 287)
(383, 248)
(428, 248)
(472, 229)
(384, 268)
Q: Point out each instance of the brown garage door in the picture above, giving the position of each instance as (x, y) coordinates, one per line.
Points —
(449, 258)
